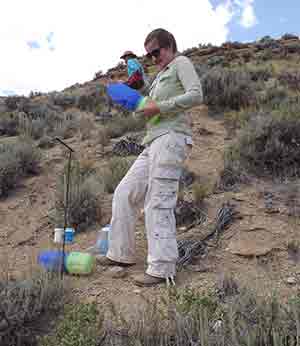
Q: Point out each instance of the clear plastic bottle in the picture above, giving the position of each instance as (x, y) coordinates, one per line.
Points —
(102, 240)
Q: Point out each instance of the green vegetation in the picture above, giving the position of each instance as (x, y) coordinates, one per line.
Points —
(84, 197)
(80, 326)
(16, 161)
(183, 317)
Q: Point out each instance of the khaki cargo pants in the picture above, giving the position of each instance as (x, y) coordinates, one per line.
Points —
(151, 182)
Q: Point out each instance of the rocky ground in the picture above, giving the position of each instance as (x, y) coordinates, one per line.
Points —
(254, 249)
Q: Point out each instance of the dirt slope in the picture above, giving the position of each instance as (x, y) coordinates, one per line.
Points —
(253, 248)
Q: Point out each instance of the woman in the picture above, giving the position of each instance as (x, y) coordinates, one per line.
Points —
(152, 181)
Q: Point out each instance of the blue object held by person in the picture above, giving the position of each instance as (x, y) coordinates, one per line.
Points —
(129, 98)
(124, 96)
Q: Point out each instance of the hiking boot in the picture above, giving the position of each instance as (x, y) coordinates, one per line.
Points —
(105, 261)
(146, 280)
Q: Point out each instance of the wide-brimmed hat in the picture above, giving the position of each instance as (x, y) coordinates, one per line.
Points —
(128, 53)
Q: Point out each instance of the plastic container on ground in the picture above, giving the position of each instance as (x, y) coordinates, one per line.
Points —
(79, 263)
(69, 235)
(58, 235)
(52, 259)
(103, 239)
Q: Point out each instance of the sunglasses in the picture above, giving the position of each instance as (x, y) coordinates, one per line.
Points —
(155, 53)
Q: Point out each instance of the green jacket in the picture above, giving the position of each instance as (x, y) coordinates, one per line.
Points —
(175, 89)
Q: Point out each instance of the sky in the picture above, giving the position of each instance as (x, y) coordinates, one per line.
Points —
(52, 44)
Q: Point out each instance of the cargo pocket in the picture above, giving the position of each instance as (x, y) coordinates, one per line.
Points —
(165, 227)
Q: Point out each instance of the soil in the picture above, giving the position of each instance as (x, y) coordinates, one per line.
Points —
(253, 248)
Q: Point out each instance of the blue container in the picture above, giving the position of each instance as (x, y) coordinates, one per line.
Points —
(124, 96)
(69, 235)
(102, 240)
(52, 259)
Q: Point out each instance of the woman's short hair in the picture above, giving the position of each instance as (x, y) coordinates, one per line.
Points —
(164, 38)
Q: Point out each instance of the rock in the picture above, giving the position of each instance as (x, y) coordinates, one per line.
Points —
(217, 325)
(117, 272)
(255, 243)
(291, 280)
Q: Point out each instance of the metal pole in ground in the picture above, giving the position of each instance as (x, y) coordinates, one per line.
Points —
(66, 204)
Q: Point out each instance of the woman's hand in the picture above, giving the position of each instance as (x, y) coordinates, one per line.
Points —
(150, 110)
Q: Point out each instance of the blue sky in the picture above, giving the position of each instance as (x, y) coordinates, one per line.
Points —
(274, 18)
(52, 44)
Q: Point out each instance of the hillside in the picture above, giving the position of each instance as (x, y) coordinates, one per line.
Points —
(246, 153)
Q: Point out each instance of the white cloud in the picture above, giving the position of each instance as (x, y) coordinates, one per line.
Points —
(248, 18)
(245, 9)
(88, 36)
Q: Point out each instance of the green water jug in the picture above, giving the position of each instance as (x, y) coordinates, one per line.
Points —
(80, 263)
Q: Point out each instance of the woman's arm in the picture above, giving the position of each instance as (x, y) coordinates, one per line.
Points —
(192, 96)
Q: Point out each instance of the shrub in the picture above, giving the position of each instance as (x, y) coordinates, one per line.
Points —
(236, 119)
(9, 123)
(290, 79)
(260, 73)
(292, 48)
(12, 102)
(86, 126)
(64, 100)
(33, 128)
(288, 36)
(102, 136)
(120, 125)
(200, 191)
(46, 142)
(16, 161)
(273, 97)
(185, 317)
(92, 100)
(9, 172)
(38, 122)
(23, 304)
(80, 326)
(112, 174)
(65, 126)
(27, 154)
(84, 197)
(268, 145)
(228, 89)
(266, 54)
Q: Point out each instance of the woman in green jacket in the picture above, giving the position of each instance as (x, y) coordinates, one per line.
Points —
(152, 181)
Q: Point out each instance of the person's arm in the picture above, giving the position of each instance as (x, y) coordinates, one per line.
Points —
(192, 96)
